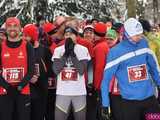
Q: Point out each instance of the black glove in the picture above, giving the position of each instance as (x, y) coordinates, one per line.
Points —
(97, 94)
(90, 90)
(69, 47)
(72, 54)
(105, 113)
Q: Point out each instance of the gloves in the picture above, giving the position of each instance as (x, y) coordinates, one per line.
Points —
(69, 48)
(72, 54)
(98, 95)
(90, 90)
(34, 79)
(22, 85)
(104, 113)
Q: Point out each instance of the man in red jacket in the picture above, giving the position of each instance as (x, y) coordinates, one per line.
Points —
(16, 61)
(100, 52)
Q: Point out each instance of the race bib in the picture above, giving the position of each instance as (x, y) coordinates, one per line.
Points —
(13, 75)
(137, 73)
(69, 74)
(52, 83)
(36, 69)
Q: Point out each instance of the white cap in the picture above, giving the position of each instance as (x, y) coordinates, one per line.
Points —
(133, 27)
(88, 26)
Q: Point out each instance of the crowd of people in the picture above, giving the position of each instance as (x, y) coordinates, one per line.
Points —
(66, 70)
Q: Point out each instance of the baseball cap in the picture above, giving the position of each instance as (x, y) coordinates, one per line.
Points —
(112, 34)
(100, 29)
(133, 27)
(88, 27)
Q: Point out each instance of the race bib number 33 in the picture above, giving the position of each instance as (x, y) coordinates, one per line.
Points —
(13, 75)
(137, 73)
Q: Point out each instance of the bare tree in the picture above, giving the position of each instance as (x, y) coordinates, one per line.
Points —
(131, 6)
(155, 11)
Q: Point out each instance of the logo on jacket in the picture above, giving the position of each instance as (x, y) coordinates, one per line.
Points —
(139, 27)
(20, 55)
(7, 55)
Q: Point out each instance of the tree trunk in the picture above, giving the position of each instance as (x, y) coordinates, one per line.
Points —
(155, 9)
(131, 6)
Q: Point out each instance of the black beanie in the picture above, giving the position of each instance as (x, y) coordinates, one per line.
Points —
(71, 30)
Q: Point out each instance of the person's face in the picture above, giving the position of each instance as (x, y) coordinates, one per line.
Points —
(94, 22)
(27, 38)
(70, 35)
(89, 35)
(13, 30)
(111, 42)
(96, 38)
(136, 38)
(41, 23)
(120, 36)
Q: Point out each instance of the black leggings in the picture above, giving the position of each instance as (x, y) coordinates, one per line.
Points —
(116, 106)
(135, 110)
(8, 105)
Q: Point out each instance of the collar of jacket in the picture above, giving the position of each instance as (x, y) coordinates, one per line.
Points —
(129, 39)
(101, 40)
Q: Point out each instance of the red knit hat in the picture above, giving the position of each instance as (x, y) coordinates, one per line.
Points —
(100, 29)
(32, 31)
(12, 20)
(49, 28)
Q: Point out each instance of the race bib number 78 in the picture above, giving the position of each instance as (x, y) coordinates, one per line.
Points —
(137, 73)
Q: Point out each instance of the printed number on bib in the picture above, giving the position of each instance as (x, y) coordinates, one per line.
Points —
(13, 75)
(69, 75)
(137, 73)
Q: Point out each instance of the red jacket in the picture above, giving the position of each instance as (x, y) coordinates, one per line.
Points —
(14, 65)
(100, 52)
(86, 44)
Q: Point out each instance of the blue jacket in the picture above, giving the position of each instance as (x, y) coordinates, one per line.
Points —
(132, 64)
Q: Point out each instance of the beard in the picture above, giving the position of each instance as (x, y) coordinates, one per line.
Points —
(13, 34)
